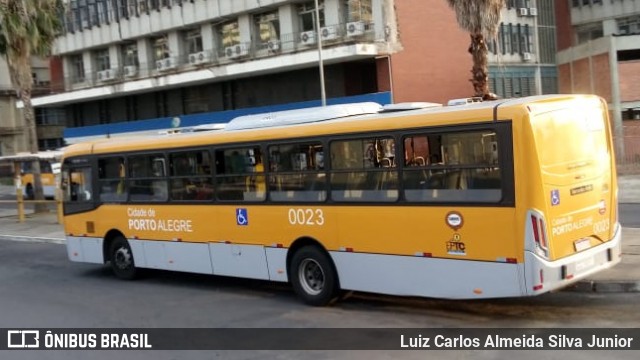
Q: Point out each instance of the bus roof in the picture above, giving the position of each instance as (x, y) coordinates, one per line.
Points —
(349, 119)
(55, 155)
(302, 116)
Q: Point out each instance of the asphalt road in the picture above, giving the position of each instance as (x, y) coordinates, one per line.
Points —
(40, 288)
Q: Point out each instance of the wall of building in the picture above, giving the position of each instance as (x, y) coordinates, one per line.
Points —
(563, 23)
(629, 80)
(434, 64)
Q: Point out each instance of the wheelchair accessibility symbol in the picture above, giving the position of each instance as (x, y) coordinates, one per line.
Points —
(242, 218)
(555, 197)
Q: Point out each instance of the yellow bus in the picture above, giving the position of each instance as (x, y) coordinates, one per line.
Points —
(492, 199)
(49, 171)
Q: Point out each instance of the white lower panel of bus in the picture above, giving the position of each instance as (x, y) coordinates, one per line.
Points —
(429, 277)
(85, 249)
(247, 261)
(543, 276)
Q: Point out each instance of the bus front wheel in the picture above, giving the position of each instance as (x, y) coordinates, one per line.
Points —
(122, 263)
(313, 276)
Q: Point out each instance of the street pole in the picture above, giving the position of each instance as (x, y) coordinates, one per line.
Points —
(323, 94)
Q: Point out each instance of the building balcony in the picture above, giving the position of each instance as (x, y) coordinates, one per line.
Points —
(343, 42)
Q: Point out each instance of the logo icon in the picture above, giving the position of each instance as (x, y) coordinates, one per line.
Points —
(454, 220)
(455, 246)
(23, 339)
(555, 197)
(242, 218)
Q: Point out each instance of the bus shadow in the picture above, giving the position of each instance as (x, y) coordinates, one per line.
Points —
(541, 308)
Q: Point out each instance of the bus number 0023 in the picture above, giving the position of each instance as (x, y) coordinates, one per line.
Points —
(306, 217)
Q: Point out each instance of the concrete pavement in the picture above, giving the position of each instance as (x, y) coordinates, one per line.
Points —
(625, 277)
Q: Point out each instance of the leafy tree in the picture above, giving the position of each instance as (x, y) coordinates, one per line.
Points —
(28, 28)
(481, 19)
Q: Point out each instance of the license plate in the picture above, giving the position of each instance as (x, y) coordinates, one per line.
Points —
(582, 244)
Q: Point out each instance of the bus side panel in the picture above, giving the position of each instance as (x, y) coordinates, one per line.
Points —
(245, 261)
(420, 276)
(85, 249)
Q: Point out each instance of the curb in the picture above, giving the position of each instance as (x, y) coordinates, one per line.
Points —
(33, 239)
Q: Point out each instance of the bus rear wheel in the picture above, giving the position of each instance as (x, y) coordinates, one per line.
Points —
(313, 276)
(122, 263)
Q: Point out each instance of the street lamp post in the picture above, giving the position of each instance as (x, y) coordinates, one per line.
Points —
(323, 94)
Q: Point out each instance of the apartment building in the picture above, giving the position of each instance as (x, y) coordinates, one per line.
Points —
(138, 66)
(599, 52)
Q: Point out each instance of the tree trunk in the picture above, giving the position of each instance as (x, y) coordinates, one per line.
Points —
(480, 71)
(29, 118)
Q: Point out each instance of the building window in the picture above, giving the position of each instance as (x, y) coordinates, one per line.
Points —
(130, 54)
(306, 14)
(193, 41)
(77, 68)
(359, 10)
(267, 26)
(161, 48)
(512, 39)
(50, 144)
(628, 25)
(50, 116)
(143, 7)
(229, 34)
(102, 60)
(588, 32)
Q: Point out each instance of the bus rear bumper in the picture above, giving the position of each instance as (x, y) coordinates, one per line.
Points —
(543, 276)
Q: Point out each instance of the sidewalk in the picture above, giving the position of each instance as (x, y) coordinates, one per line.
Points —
(625, 277)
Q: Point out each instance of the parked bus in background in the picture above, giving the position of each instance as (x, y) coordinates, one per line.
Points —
(49, 171)
(487, 199)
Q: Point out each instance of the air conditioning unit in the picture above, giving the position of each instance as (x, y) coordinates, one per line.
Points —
(308, 37)
(523, 11)
(199, 58)
(526, 56)
(106, 75)
(165, 64)
(273, 45)
(329, 33)
(236, 51)
(355, 28)
(130, 71)
(533, 11)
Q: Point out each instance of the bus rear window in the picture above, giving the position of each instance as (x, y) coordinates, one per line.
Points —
(587, 143)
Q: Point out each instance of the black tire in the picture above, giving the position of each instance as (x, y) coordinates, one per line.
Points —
(29, 193)
(313, 276)
(122, 262)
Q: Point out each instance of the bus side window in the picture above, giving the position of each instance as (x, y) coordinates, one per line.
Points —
(364, 170)
(297, 172)
(462, 168)
(76, 184)
(240, 174)
(190, 174)
(111, 179)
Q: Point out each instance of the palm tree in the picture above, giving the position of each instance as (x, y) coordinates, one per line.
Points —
(28, 28)
(481, 19)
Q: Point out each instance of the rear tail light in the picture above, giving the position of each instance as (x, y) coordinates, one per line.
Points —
(540, 235)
